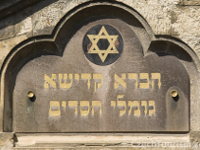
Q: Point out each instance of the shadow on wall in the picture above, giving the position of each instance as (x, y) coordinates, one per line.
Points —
(13, 12)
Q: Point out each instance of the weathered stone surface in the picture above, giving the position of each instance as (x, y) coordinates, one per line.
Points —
(165, 18)
(47, 18)
(171, 18)
(107, 142)
(6, 141)
(191, 2)
(6, 29)
(9, 44)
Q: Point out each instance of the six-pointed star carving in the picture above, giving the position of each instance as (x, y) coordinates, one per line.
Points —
(103, 34)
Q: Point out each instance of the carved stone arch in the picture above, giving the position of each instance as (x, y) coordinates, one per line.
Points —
(67, 27)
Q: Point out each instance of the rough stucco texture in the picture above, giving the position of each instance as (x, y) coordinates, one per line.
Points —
(177, 18)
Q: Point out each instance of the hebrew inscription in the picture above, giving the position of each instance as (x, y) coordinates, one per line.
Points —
(53, 81)
(55, 106)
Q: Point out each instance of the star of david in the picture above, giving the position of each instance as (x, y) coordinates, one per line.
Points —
(103, 34)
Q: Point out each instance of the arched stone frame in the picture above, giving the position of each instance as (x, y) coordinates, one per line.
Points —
(54, 45)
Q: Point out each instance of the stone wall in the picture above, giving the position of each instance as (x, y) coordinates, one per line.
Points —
(178, 19)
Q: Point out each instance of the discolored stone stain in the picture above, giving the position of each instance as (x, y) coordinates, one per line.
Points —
(173, 32)
(89, 46)
(173, 17)
(117, 43)
(191, 2)
(48, 21)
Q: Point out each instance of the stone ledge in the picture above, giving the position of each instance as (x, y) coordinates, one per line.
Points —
(113, 140)
(105, 148)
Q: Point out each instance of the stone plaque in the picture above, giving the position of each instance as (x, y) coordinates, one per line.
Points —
(103, 82)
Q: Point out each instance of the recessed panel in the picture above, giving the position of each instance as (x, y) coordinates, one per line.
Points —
(103, 82)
